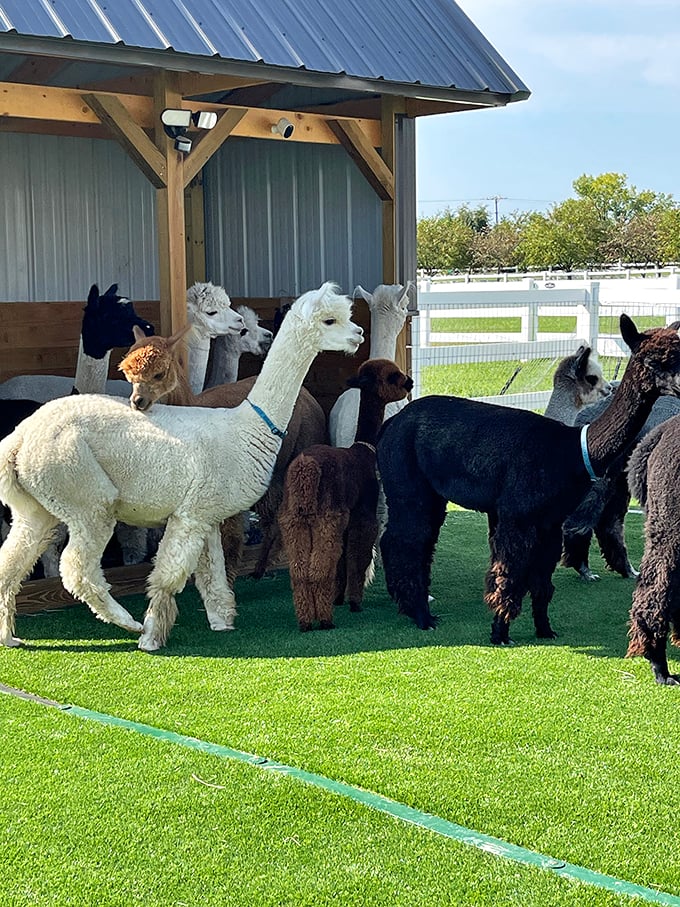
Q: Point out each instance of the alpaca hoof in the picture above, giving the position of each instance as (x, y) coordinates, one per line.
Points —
(220, 624)
(326, 625)
(149, 643)
(355, 606)
(631, 572)
(305, 626)
(670, 680)
(587, 575)
(12, 642)
(548, 633)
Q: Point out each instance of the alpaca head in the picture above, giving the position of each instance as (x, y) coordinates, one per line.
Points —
(253, 339)
(655, 362)
(582, 374)
(108, 321)
(382, 378)
(209, 311)
(388, 304)
(152, 367)
(324, 318)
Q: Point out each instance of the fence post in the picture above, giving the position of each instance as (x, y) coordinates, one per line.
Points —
(588, 318)
(415, 351)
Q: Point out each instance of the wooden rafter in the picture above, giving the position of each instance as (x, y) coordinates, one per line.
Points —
(132, 137)
(208, 144)
(367, 159)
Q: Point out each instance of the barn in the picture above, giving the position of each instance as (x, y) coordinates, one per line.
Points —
(308, 173)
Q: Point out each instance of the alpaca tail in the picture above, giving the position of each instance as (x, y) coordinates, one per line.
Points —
(303, 484)
(637, 465)
(11, 492)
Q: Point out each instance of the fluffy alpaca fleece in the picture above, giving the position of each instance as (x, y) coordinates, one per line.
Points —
(328, 517)
(577, 382)
(654, 478)
(523, 470)
(211, 315)
(154, 370)
(91, 460)
(226, 350)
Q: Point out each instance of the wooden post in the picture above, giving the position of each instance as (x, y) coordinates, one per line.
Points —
(170, 213)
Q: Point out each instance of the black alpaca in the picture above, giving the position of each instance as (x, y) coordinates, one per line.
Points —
(525, 471)
(654, 478)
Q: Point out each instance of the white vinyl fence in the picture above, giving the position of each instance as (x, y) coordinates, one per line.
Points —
(588, 300)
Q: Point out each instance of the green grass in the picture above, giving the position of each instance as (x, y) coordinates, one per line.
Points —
(562, 746)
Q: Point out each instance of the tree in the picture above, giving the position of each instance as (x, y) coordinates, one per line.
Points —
(444, 242)
(568, 237)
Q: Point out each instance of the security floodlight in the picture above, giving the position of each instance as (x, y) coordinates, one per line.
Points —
(284, 128)
(183, 144)
(175, 119)
(204, 119)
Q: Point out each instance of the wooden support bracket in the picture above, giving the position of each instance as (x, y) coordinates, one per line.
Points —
(364, 155)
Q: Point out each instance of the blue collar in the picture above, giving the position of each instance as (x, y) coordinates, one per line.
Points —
(268, 422)
(586, 456)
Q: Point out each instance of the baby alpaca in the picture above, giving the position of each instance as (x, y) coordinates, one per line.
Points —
(328, 516)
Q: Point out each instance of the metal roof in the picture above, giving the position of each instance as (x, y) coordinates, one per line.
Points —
(421, 43)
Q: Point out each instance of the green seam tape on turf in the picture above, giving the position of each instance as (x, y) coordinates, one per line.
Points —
(439, 826)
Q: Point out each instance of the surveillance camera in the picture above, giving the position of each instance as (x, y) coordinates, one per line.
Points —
(284, 128)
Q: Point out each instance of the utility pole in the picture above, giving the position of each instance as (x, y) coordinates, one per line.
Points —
(495, 199)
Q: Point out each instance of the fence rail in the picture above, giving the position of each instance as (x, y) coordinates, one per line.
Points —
(589, 301)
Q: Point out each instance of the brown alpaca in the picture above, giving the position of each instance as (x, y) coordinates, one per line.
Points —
(156, 375)
(330, 496)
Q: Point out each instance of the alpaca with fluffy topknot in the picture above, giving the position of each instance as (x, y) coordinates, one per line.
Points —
(89, 461)
(328, 517)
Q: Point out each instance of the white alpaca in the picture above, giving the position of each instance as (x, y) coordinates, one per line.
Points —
(210, 312)
(91, 460)
(388, 304)
(228, 349)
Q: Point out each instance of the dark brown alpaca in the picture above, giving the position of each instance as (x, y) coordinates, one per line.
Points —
(654, 479)
(328, 515)
(523, 470)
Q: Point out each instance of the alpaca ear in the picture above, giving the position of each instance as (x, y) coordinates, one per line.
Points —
(581, 361)
(178, 335)
(631, 336)
(365, 295)
(93, 295)
(138, 333)
(359, 381)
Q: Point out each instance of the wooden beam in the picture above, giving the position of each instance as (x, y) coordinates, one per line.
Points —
(367, 159)
(131, 136)
(389, 235)
(33, 102)
(204, 148)
(172, 266)
(196, 83)
(194, 217)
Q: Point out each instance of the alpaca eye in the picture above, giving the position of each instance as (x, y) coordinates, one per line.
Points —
(159, 376)
(592, 380)
(329, 321)
(211, 314)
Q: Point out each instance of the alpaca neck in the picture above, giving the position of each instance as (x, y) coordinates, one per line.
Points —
(612, 433)
(198, 346)
(562, 407)
(384, 335)
(371, 415)
(91, 374)
(181, 394)
(277, 386)
(226, 359)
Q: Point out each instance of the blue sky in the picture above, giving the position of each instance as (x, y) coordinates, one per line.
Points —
(604, 77)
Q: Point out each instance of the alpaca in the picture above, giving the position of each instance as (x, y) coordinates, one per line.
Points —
(604, 508)
(210, 312)
(523, 470)
(90, 460)
(654, 478)
(328, 516)
(107, 323)
(388, 305)
(228, 348)
(153, 368)
(578, 381)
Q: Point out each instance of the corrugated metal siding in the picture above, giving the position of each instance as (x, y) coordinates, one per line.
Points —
(282, 218)
(427, 42)
(73, 212)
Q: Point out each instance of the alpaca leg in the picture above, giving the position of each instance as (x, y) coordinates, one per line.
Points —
(361, 535)
(51, 555)
(610, 530)
(543, 561)
(506, 581)
(178, 554)
(328, 535)
(213, 585)
(25, 542)
(575, 550)
(407, 548)
(656, 603)
(231, 533)
(82, 575)
(133, 543)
